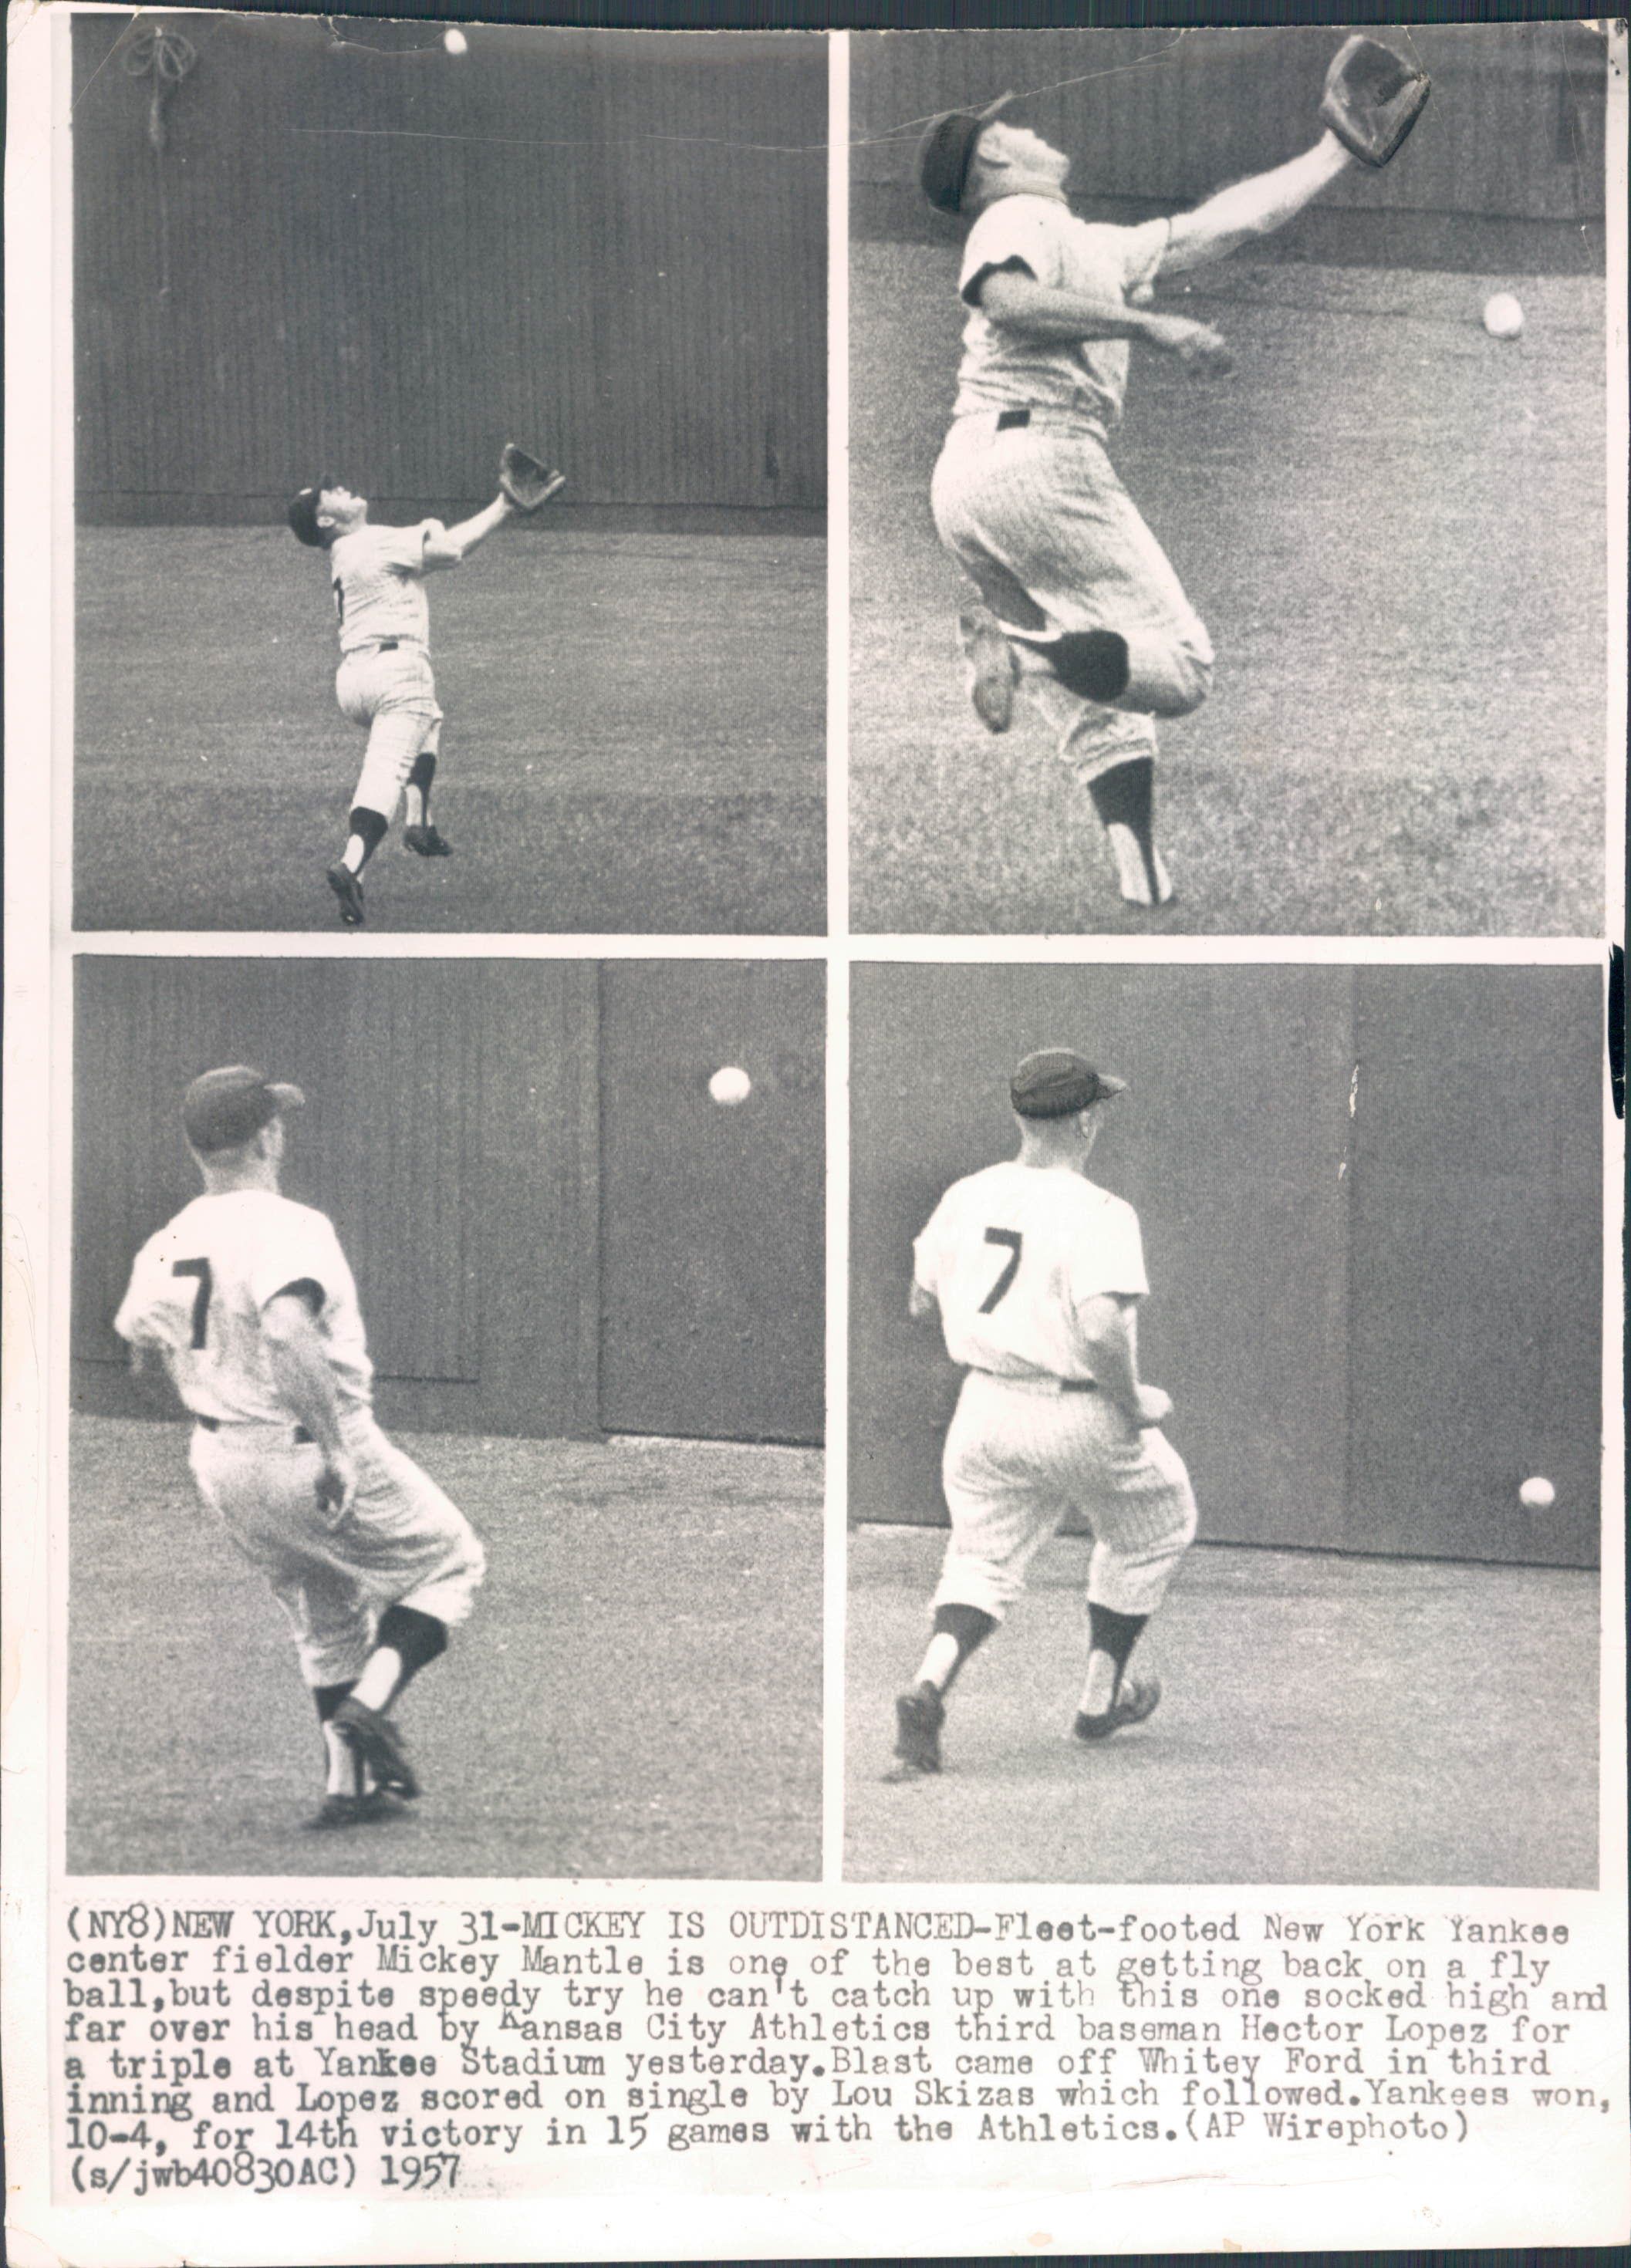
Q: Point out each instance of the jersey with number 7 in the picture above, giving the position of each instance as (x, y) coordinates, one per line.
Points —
(1012, 1254)
(200, 1284)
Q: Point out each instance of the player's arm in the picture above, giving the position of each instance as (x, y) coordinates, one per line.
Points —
(1253, 208)
(446, 546)
(1050, 315)
(1105, 1334)
(298, 1362)
(920, 1304)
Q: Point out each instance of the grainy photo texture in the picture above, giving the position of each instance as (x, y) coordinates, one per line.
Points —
(324, 271)
(1228, 416)
(1326, 1238)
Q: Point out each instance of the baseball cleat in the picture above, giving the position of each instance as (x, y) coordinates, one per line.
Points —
(1135, 1701)
(1142, 876)
(377, 1742)
(991, 672)
(348, 888)
(428, 842)
(919, 1716)
(340, 1811)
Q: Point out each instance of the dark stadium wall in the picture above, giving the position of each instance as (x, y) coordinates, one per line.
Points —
(357, 255)
(1508, 157)
(1370, 1200)
(474, 1144)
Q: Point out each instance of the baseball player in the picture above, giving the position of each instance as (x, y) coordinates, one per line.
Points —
(247, 1298)
(385, 682)
(1078, 606)
(1036, 1274)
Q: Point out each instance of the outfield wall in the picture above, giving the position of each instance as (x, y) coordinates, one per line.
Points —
(498, 1144)
(1371, 1202)
(1513, 133)
(357, 255)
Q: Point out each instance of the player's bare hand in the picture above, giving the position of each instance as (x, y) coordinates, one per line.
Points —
(1203, 351)
(336, 1486)
(1155, 1406)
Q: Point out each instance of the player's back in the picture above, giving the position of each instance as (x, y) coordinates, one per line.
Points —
(199, 1286)
(1012, 1253)
(378, 588)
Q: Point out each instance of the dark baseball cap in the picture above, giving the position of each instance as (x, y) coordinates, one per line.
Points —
(1055, 1081)
(947, 151)
(225, 1108)
(303, 513)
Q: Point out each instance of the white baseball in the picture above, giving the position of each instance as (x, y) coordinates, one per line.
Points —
(731, 1084)
(454, 40)
(1537, 1494)
(1503, 318)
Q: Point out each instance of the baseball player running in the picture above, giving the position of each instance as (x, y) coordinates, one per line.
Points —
(385, 682)
(1036, 1274)
(247, 1298)
(1078, 606)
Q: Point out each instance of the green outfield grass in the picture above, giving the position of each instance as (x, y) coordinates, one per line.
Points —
(1323, 1721)
(638, 1693)
(1394, 525)
(634, 737)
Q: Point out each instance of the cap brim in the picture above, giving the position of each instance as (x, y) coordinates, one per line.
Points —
(288, 1098)
(992, 109)
(1108, 1085)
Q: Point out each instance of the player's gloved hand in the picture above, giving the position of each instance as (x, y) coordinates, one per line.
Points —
(337, 1487)
(1155, 1407)
(1203, 351)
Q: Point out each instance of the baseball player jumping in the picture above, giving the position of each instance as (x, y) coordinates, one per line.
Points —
(247, 1300)
(1078, 606)
(1036, 1275)
(385, 682)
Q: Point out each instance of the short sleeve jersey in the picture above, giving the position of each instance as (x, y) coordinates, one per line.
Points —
(1001, 370)
(199, 1287)
(1013, 1254)
(378, 575)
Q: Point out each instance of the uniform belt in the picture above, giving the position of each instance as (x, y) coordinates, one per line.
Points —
(1009, 420)
(387, 645)
(1037, 1382)
(302, 1439)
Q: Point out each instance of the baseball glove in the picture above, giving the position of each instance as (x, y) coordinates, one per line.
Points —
(1372, 99)
(525, 481)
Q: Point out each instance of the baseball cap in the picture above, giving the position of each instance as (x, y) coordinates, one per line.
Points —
(1056, 1081)
(224, 1109)
(947, 150)
(303, 513)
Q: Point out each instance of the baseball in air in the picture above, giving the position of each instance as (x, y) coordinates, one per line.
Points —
(1503, 318)
(1536, 1494)
(454, 40)
(730, 1086)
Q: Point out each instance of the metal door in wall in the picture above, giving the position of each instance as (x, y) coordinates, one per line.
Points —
(712, 1214)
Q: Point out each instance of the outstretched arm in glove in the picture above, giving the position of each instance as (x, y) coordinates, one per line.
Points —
(448, 547)
(1253, 208)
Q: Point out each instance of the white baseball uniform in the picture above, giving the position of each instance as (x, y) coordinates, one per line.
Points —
(1011, 1256)
(385, 682)
(1027, 501)
(197, 1293)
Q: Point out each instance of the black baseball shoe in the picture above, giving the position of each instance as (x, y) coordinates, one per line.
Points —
(379, 1745)
(348, 888)
(427, 841)
(340, 1811)
(1135, 1700)
(919, 1716)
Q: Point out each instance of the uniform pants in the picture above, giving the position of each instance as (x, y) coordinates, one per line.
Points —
(403, 1542)
(1037, 518)
(1019, 1457)
(393, 694)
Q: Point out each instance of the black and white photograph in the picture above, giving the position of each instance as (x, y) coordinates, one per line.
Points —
(337, 283)
(1227, 490)
(555, 1226)
(1226, 1424)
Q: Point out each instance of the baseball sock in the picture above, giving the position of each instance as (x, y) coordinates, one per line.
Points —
(368, 832)
(1112, 1637)
(407, 1641)
(346, 1775)
(417, 792)
(958, 1630)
